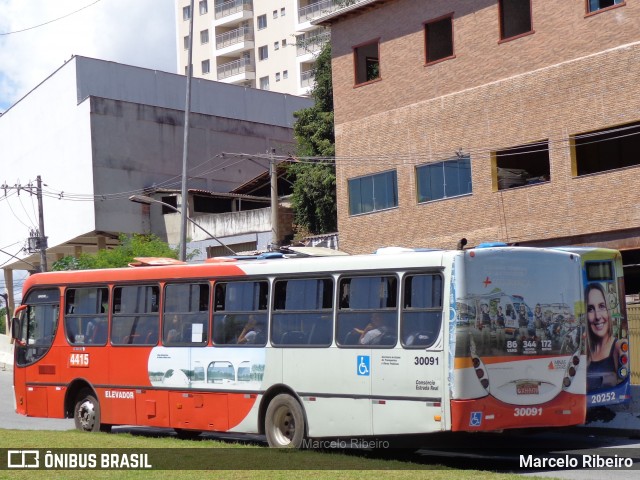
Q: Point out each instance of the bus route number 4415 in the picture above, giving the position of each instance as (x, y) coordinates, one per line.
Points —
(79, 360)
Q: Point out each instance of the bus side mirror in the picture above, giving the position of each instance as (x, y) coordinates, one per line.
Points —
(16, 330)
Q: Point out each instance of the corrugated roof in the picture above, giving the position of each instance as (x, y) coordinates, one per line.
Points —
(208, 193)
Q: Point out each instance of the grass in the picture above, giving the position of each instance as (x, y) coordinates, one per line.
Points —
(221, 460)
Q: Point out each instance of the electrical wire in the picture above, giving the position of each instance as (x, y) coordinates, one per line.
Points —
(50, 21)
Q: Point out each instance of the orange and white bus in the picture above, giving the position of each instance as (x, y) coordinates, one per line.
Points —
(607, 327)
(397, 342)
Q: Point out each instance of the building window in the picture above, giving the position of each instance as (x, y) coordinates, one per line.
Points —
(607, 149)
(515, 18)
(278, 77)
(438, 35)
(262, 22)
(450, 178)
(264, 83)
(373, 193)
(283, 12)
(285, 74)
(276, 45)
(186, 42)
(204, 36)
(367, 62)
(186, 12)
(263, 52)
(522, 165)
(596, 5)
(204, 7)
(275, 14)
(206, 67)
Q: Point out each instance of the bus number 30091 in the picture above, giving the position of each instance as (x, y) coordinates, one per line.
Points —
(527, 412)
(425, 361)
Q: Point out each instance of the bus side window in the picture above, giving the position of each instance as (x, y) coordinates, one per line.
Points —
(84, 314)
(240, 313)
(422, 312)
(368, 314)
(186, 314)
(301, 312)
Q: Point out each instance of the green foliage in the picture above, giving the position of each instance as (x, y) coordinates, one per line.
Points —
(3, 318)
(314, 188)
(314, 197)
(136, 245)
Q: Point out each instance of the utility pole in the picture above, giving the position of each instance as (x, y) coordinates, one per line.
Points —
(275, 231)
(37, 240)
(43, 239)
(185, 147)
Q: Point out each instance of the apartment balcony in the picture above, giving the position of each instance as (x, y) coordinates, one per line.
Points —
(307, 82)
(233, 12)
(238, 71)
(315, 10)
(308, 46)
(235, 41)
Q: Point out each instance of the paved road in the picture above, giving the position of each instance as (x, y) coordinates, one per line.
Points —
(11, 420)
(479, 451)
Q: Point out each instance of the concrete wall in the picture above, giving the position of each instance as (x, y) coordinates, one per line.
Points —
(47, 133)
(98, 131)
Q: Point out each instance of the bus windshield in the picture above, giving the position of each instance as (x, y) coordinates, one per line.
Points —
(38, 325)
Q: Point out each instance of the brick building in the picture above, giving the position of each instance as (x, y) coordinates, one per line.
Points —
(493, 120)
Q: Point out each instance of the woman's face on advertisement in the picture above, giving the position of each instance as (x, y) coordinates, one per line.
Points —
(597, 313)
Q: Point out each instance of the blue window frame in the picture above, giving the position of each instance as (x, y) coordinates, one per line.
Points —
(373, 193)
(450, 178)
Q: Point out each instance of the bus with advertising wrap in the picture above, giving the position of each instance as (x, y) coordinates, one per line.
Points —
(363, 346)
(607, 339)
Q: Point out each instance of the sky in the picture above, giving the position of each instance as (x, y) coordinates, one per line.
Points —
(132, 32)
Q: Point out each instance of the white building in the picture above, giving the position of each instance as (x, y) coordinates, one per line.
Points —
(254, 43)
(97, 132)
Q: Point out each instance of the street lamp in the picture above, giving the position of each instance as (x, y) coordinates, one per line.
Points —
(148, 201)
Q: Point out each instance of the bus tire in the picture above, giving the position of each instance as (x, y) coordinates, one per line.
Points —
(86, 413)
(284, 424)
(184, 434)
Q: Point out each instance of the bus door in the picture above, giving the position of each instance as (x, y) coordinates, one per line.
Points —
(407, 370)
(34, 334)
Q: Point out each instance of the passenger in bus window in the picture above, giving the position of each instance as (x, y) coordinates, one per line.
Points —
(604, 348)
(250, 331)
(373, 332)
(175, 332)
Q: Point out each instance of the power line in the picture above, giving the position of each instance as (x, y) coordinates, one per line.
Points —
(50, 21)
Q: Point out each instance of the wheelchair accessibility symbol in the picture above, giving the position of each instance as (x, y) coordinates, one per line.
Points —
(364, 365)
(476, 419)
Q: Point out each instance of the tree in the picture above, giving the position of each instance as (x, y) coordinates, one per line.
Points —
(314, 188)
(136, 245)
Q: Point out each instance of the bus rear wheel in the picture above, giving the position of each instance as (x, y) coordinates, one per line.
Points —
(284, 424)
(86, 413)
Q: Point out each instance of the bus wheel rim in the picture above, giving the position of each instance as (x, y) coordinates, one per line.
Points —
(87, 415)
(284, 425)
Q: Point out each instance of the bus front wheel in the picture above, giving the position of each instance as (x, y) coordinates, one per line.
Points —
(284, 422)
(86, 413)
